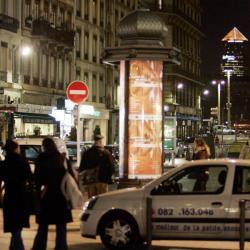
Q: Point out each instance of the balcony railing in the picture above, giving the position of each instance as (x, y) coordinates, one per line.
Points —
(9, 23)
(60, 34)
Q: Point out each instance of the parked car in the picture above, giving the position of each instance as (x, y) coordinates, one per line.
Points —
(32, 146)
(196, 200)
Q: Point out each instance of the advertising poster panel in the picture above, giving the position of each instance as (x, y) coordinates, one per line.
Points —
(145, 119)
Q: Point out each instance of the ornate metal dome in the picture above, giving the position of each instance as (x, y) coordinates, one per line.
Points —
(142, 27)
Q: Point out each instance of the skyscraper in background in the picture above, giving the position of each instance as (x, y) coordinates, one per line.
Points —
(235, 58)
(234, 54)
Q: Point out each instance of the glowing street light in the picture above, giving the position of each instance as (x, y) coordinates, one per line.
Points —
(180, 86)
(26, 51)
(219, 83)
(206, 92)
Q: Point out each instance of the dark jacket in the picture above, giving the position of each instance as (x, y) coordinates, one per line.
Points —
(15, 172)
(98, 157)
(49, 171)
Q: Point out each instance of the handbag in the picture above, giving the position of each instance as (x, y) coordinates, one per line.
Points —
(71, 191)
(32, 199)
(89, 176)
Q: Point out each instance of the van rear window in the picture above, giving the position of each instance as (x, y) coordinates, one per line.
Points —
(30, 152)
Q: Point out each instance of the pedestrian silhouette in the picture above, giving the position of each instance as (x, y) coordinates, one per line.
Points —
(201, 149)
(96, 168)
(49, 171)
(15, 172)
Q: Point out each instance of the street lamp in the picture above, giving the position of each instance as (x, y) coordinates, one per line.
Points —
(229, 104)
(219, 83)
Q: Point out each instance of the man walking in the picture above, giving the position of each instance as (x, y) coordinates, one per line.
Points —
(96, 168)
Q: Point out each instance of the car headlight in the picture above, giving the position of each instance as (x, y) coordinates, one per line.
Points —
(88, 205)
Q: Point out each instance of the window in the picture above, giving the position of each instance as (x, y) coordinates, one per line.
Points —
(94, 89)
(78, 46)
(4, 7)
(241, 180)
(30, 152)
(78, 73)
(46, 10)
(35, 64)
(78, 8)
(86, 45)
(15, 8)
(94, 9)
(27, 10)
(52, 70)
(44, 68)
(86, 10)
(101, 13)
(94, 48)
(67, 71)
(37, 9)
(102, 89)
(3, 61)
(53, 15)
(86, 77)
(61, 16)
(60, 71)
(194, 180)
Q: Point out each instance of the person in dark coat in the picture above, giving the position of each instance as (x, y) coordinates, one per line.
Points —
(98, 157)
(49, 171)
(15, 172)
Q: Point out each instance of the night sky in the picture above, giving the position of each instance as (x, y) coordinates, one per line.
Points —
(218, 18)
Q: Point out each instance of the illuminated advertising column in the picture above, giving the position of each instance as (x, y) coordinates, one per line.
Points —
(144, 118)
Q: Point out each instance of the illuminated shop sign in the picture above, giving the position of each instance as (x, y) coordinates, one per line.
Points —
(145, 119)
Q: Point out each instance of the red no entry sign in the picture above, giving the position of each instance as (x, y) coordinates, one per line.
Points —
(77, 91)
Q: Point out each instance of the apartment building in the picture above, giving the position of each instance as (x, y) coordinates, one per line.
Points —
(182, 83)
(96, 26)
(32, 84)
(65, 38)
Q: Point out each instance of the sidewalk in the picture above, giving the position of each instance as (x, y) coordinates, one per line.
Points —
(76, 242)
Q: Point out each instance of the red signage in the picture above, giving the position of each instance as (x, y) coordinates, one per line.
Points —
(77, 91)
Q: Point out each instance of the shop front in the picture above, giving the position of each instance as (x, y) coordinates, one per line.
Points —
(26, 120)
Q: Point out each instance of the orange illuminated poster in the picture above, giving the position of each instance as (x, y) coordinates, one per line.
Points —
(145, 119)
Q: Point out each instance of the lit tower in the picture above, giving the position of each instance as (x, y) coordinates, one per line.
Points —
(233, 62)
(234, 44)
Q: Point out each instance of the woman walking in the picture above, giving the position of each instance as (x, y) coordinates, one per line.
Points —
(49, 171)
(15, 172)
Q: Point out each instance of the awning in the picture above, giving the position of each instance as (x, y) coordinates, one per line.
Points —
(35, 118)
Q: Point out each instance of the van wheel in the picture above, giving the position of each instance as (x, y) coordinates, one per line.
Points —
(118, 231)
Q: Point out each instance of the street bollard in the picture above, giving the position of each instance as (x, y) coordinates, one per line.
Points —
(149, 222)
(242, 224)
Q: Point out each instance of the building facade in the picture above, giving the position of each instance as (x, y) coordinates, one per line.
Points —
(67, 38)
(182, 84)
(32, 84)
(96, 28)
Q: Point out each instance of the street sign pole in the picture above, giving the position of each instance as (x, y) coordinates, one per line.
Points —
(78, 155)
(77, 92)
